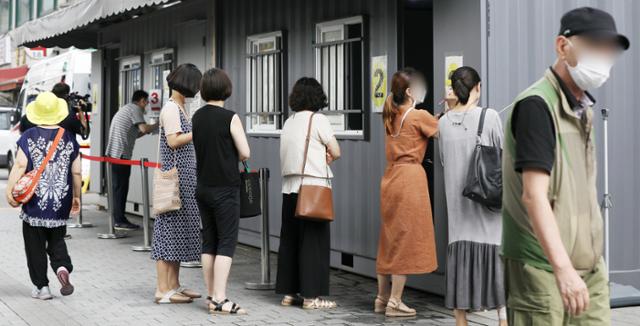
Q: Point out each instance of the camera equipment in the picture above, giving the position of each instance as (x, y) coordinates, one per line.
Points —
(81, 101)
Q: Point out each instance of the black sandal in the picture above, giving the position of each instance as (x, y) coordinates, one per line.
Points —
(217, 310)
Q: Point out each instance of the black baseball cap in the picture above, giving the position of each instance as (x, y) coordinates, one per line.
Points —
(593, 23)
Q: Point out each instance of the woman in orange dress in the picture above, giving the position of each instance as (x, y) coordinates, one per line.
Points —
(407, 244)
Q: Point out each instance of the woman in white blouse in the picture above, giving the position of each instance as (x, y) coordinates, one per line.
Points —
(303, 258)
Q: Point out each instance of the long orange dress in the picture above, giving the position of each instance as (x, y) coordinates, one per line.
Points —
(407, 242)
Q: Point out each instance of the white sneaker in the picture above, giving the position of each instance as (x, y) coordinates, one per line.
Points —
(43, 294)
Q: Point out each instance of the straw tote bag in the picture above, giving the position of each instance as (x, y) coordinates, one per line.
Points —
(166, 187)
(315, 203)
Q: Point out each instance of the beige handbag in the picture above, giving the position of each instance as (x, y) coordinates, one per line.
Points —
(315, 203)
(166, 188)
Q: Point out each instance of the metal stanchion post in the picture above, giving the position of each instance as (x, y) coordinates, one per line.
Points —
(111, 232)
(146, 213)
(265, 259)
(80, 224)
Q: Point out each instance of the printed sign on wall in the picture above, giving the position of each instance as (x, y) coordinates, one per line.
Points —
(378, 82)
(451, 63)
(155, 103)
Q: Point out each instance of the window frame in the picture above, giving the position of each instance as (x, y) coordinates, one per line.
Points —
(277, 90)
(44, 13)
(18, 12)
(171, 62)
(9, 26)
(345, 86)
(126, 65)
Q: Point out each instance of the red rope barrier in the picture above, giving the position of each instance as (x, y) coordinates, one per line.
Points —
(120, 161)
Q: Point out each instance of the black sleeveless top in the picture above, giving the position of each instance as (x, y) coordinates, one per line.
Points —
(216, 153)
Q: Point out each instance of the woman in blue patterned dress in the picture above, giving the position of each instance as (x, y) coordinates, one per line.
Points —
(57, 194)
(176, 234)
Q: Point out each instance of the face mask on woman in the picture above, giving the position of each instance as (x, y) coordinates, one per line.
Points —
(591, 71)
(419, 94)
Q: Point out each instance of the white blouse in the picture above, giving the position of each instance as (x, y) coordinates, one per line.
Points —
(292, 142)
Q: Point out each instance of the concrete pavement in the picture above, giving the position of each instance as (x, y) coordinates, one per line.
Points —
(115, 286)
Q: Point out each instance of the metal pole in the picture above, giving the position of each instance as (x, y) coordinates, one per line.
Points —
(111, 232)
(606, 200)
(80, 224)
(146, 212)
(265, 259)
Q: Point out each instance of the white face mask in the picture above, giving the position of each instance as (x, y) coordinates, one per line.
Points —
(419, 96)
(591, 71)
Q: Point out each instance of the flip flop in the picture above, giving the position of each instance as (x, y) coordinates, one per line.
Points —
(172, 296)
(189, 293)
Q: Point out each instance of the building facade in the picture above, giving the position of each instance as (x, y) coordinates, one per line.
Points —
(352, 47)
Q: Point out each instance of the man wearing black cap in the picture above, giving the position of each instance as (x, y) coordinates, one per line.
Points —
(552, 227)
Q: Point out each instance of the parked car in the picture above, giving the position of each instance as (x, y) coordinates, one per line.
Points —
(8, 137)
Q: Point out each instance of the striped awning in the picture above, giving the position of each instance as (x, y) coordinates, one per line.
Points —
(72, 25)
(12, 78)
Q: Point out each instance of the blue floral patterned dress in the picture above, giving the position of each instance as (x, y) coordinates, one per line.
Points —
(176, 235)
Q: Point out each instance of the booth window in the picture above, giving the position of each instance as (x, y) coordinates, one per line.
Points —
(339, 63)
(265, 82)
(24, 10)
(46, 6)
(130, 78)
(5, 15)
(161, 61)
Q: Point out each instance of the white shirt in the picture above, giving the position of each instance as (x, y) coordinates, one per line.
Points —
(292, 142)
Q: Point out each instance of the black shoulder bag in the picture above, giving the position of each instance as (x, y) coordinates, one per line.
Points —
(249, 192)
(484, 179)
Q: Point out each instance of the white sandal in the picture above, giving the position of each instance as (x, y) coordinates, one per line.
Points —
(188, 293)
(318, 303)
(169, 298)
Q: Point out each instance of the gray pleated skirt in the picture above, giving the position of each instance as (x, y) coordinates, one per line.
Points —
(474, 276)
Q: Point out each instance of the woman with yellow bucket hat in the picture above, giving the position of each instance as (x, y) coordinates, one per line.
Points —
(54, 153)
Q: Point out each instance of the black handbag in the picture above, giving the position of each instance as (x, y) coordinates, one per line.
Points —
(484, 179)
(249, 192)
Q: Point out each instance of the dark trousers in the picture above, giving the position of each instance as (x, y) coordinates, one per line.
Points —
(40, 241)
(220, 213)
(303, 257)
(120, 185)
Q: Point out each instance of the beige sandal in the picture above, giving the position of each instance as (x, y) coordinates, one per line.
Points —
(172, 296)
(398, 309)
(318, 303)
(189, 293)
(380, 305)
(290, 300)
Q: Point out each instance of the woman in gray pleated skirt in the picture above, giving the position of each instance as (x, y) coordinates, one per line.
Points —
(474, 274)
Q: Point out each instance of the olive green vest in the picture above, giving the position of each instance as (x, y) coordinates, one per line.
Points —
(572, 187)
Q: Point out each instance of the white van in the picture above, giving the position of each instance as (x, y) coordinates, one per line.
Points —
(8, 137)
(72, 67)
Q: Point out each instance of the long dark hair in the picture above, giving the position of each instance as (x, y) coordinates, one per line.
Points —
(400, 81)
(463, 80)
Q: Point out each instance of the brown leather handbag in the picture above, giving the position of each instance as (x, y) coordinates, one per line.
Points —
(315, 203)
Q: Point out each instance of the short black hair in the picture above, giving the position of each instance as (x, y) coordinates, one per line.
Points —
(215, 85)
(61, 90)
(185, 79)
(139, 95)
(307, 94)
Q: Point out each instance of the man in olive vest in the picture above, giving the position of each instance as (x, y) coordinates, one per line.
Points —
(552, 227)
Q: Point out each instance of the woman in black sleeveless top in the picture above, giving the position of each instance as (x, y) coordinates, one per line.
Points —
(220, 143)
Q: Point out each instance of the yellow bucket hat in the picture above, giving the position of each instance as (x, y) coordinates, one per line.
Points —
(47, 109)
